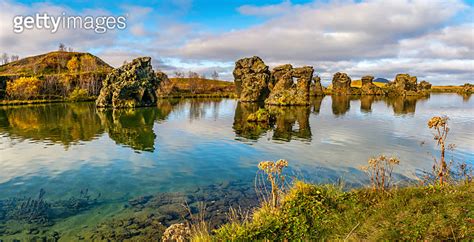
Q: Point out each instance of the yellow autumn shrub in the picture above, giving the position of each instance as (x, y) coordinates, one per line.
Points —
(23, 88)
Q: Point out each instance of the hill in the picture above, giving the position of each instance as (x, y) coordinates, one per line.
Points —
(381, 80)
(358, 83)
(55, 62)
(190, 87)
(54, 75)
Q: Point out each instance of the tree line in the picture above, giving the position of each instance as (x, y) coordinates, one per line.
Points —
(5, 58)
(195, 75)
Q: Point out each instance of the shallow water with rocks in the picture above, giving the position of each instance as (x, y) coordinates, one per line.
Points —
(73, 172)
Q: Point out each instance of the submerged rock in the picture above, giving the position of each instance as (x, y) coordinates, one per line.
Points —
(341, 84)
(132, 85)
(369, 88)
(251, 78)
(291, 85)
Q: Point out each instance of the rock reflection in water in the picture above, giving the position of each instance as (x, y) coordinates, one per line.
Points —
(466, 97)
(366, 102)
(290, 122)
(287, 122)
(315, 103)
(63, 123)
(403, 105)
(244, 128)
(400, 104)
(340, 104)
(131, 127)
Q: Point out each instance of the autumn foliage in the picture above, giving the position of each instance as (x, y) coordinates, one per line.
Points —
(23, 88)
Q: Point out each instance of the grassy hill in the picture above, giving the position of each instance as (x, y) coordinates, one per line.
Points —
(55, 62)
(201, 87)
(58, 74)
(358, 83)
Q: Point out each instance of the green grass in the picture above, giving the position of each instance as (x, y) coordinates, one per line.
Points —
(312, 212)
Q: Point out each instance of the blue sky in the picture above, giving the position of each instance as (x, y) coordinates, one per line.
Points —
(431, 39)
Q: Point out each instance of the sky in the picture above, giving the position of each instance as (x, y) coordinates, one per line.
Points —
(431, 39)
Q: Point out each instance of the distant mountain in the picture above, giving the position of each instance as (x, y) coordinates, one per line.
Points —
(55, 62)
(382, 80)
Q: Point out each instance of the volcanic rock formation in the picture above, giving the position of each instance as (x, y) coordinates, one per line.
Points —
(341, 84)
(291, 85)
(369, 88)
(403, 85)
(251, 78)
(132, 85)
(316, 88)
(467, 88)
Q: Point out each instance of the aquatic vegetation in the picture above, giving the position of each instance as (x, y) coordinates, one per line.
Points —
(74, 205)
(30, 210)
(379, 170)
(140, 227)
(35, 214)
(201, 211)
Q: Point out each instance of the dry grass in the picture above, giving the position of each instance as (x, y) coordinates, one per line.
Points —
(358, 84)
(446, 88)
(49, 63)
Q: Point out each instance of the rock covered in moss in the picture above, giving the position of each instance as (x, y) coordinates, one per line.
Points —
(403, 85)
(251, 78)
(132, 85)
(341, 84)
(369, 88)
(166, 86)
(291, 85)
(423, 86)
(467, 88)
(316, 88)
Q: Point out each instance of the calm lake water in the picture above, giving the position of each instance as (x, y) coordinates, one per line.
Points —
(61, 149)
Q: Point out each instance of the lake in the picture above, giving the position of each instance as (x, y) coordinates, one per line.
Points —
(88, 165)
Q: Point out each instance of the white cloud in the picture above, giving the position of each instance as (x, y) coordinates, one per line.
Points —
(394, 36)
(375, 37)
(38, 41)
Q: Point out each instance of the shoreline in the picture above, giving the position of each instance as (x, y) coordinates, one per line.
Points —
(453, 90)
